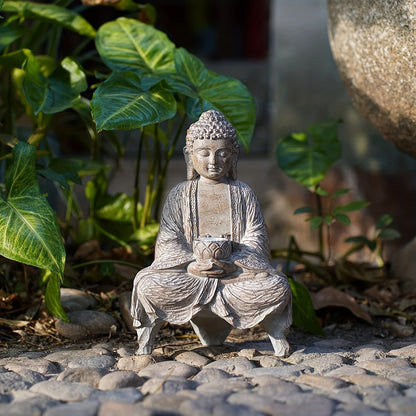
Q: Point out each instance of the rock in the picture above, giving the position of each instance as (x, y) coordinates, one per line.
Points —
(97, 361)
(383, 365)
(76, 300)
(87, 375)
(135, 362)
(113, 408)
(207, 375)
(84, 324)
(162, 401)
(120, 379)
(170, 386)
(373, 44)
(62, 390)
(167, 369)
(321, 382)
(408, 351)
(10, 381)
(125, 395)
(224, 387)
(86, 408)
(236, 366)
(39, 365)
(192, 358)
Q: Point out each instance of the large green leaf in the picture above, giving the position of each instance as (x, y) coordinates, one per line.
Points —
(303, 312)
(29, 232)
(307, 157)
(51, 13)
(129, 45)
(55, 92)
(207, 90)
(8, 35)
(121, 103)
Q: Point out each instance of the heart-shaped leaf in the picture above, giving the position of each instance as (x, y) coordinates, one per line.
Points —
(54, 93)
(29, 232)
(121, 103)
(307, 158)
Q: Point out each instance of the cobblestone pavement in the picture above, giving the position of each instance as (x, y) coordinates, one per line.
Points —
(358, 374)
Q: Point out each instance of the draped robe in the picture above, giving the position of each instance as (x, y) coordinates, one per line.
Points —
(167, 291)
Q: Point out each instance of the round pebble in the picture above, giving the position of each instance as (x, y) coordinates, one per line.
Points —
(85, 324)
(120, 379)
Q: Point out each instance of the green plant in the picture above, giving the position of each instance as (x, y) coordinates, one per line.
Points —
(382, 233)
(132, 77)
(306, 158)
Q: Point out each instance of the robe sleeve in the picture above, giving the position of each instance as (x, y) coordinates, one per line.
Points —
(252, 251)
(172, 248)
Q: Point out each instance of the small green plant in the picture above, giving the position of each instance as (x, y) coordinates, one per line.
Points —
(382, 233)
(306, 157)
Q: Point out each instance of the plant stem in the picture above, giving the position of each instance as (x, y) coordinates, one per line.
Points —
(320, 229)
(149, 185)
(136, 190)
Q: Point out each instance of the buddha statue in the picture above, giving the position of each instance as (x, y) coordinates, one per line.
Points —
(211, 265)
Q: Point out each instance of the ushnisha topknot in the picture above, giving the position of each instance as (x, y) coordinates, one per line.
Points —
(211, 125)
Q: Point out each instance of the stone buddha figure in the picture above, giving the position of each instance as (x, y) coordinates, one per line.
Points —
(211, 264)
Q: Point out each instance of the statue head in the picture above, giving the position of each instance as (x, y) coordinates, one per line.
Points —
(212, 125)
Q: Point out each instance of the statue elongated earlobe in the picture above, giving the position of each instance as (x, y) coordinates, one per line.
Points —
(190, 172)
(233, 172)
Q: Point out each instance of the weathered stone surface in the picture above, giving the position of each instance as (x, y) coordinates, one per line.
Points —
(207, 375)
(10, 381)
(75, 300)
(86, 408)
(39, 365)
(87, 375)
(86, 323)
(113, 408)
(125, 395)
(62, 390)
(327, 383)
(135, 362)
(408, 351)
(97, 361)
(170, 386)
(162, 401)
(192, 358)
(374, 46)
(384, 365)
(224, 387)
(236, 366)
(120, 379)
(260, 403)
(168, 368)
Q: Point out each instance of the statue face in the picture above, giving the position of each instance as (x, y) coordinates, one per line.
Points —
(212, 159)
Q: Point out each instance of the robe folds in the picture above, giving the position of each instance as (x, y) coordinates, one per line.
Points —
(167, 291)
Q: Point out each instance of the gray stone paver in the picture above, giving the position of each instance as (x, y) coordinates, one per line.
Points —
(330, 376)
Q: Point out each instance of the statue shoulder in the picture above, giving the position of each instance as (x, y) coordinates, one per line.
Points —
(242, 186)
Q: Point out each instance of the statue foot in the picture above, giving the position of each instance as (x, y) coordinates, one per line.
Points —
(146, 337)
(280, 345)
(144, 350)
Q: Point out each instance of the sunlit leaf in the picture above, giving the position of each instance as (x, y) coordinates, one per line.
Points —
(121, 103)
(51, 13)
(29, 231)
(307, 158)
(129, 45)
(340, 192)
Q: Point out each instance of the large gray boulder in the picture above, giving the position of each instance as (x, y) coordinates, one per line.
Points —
(374, 46)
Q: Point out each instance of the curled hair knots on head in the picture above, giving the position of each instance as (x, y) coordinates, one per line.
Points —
(211, 125)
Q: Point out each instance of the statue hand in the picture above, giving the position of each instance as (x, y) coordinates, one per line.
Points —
(228, 266)
(205, 270)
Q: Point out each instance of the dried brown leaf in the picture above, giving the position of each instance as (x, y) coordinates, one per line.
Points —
(330, 296)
